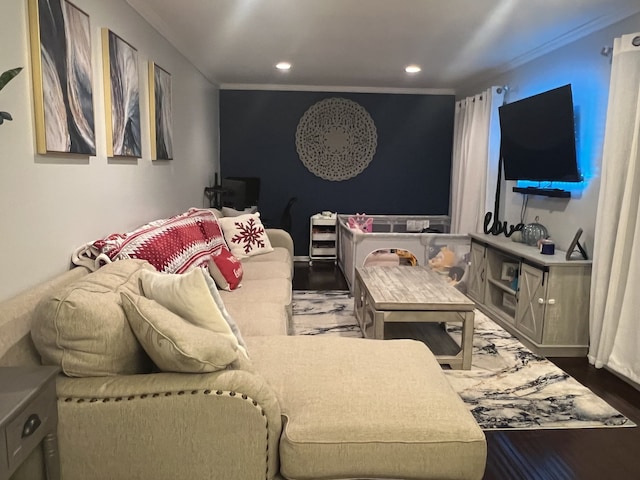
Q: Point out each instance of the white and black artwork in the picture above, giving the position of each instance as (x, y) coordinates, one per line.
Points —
(63, 93)
(160, 113)
(122, 96)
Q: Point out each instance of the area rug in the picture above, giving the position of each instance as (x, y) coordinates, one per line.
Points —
(508, 386)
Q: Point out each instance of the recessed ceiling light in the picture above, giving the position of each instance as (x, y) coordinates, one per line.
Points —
(283, 66)
(412, 69)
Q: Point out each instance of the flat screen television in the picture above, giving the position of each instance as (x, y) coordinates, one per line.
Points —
(252, 189)
(234, 194)
(538, 140)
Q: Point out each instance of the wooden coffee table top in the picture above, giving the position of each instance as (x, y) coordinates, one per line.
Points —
(411, 288)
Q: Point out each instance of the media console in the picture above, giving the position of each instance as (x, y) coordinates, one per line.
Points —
(541, 299)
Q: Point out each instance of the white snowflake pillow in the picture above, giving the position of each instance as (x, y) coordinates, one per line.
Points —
(245, 235)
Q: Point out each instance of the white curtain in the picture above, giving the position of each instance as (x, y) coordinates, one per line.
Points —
(614, 321)
(474, 163)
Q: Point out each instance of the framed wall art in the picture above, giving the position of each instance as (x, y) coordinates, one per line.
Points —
(121, 96)
(160, 113)
(62, 84)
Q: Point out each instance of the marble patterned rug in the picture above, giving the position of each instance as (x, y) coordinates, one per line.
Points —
(508, 386)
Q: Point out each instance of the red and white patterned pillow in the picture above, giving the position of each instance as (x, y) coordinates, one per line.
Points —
(225, 269)
(245, 235)
(174, 245)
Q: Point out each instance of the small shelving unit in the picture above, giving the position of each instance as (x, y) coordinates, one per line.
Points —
(323, 237)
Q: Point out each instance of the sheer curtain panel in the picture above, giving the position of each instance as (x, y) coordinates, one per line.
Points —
(615, 302)
(474, 162)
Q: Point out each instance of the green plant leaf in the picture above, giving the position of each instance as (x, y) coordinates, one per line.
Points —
(8, 75)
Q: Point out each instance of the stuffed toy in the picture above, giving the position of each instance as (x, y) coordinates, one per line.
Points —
(360, 222)
(443, 261)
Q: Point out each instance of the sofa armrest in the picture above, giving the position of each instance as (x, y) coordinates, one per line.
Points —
(280, 238)
(169, 425)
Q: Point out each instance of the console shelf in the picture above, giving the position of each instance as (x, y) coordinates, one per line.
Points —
(543, 192)
(541, 299)
(500, 285)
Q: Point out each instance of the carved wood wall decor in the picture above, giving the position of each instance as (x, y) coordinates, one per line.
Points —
(336, 139)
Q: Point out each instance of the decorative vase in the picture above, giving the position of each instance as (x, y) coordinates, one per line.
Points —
(533, 232)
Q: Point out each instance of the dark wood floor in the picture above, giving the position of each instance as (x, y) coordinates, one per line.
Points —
(580, 454)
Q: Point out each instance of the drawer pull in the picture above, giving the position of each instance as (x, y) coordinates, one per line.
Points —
(31, 425)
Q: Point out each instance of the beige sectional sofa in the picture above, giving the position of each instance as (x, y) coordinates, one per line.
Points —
(302, 407)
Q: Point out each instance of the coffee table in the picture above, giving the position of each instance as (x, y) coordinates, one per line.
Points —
(412, 295)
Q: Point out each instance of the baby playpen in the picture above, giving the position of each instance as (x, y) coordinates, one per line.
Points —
(365, 240)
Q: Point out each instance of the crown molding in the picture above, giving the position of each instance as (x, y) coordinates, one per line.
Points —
(578, 33)
(333, 88)
(571, 36)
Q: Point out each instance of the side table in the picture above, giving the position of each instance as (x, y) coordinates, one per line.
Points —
(323, 237)
(28, 417)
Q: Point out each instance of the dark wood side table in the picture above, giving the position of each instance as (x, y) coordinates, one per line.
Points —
(28, 417)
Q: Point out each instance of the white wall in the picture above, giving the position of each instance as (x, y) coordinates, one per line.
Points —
(51, 204)
(582, 65)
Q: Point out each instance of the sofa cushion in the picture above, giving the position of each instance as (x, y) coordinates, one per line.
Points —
(259, 318)
(217, 212)
(265, 270)
(225, 269)
(266, 290)
(83, 329)
(173, 343)
(232, 212)
(188, 296)
(377, 409)
(245, 235)
(279, 254)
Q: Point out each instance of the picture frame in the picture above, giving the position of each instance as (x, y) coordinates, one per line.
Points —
(121, 96)
(509, 271)
(60, 44)
(160, 113)
(572, 248)
(509, 301)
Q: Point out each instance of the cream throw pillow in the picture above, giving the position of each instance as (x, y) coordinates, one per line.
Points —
(245, 235)
(188, 296)
(174, 344)
(213, 289)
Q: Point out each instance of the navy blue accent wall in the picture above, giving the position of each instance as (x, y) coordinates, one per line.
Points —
(409, 174)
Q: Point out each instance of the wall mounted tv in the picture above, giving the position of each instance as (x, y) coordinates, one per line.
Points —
(538, 140)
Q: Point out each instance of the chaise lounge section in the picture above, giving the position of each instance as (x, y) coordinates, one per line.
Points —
(300, 408)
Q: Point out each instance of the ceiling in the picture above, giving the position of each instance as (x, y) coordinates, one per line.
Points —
(367, 43)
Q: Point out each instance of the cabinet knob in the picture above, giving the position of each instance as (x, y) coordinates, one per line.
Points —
(540, 301)
(31, 425)
(552, 301)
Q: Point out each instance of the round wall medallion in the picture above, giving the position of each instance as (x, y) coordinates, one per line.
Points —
(336, 139)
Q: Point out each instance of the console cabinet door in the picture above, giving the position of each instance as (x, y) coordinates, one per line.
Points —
(477, 272)
(532, 298)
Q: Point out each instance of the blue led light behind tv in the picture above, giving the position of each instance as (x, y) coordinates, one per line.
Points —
(538, 140)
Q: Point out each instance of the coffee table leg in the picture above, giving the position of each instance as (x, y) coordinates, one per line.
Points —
(358, 303)
(467, 339)
(378, 324)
